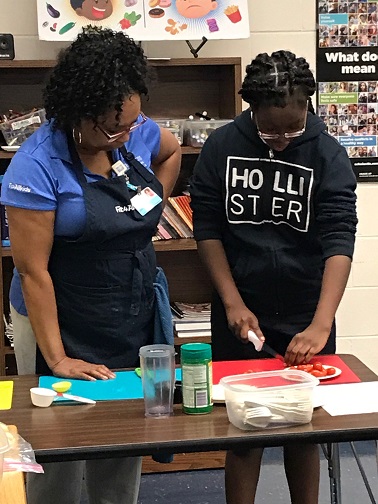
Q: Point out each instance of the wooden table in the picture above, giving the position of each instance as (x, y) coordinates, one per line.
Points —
(12, 487)
(119, 428)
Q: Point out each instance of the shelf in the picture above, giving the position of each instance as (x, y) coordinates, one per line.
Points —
(6, 252)
(27, 63)
(179, 87)
(192, 339)
(196, 84)
(184, 149)
(175, 245)
(154, 62)
(159, 246)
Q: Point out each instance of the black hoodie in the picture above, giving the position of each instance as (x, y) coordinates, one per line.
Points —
(279, 215)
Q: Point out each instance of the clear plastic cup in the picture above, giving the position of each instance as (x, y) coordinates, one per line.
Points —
(157, 363)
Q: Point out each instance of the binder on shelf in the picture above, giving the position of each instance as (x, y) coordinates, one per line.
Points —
(194, 310)
(4, 222)
(191, 320)
(180, 204)
(193, 334)
(168, 228)
(187, 325)
(176, 220)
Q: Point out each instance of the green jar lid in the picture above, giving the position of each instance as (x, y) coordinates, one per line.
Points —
(195, 351)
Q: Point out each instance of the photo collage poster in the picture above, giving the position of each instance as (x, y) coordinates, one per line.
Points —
(145, 19)
(347, 76)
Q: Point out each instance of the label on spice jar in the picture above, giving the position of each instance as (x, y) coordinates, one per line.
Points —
(197, 382)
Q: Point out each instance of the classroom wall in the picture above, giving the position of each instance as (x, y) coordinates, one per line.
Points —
(274, 25)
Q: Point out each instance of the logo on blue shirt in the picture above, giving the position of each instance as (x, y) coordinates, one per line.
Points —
(19, 187)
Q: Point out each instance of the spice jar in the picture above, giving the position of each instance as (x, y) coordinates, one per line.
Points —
(197, 378)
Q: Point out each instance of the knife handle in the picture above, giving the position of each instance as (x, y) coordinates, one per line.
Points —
(252, 337)
(78, 399)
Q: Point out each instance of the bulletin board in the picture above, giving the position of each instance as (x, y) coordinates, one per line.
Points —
(347, 75)
(145, 19)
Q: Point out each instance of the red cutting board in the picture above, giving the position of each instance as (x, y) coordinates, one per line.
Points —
(227, 368)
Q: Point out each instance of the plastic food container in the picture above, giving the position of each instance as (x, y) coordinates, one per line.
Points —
(269, 399)
(19, 129)
(197, 132)
(4, 447)
(175, 126)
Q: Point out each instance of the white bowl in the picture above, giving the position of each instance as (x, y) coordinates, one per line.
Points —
(42, 397)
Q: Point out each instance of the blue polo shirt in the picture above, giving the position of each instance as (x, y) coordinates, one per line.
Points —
(40, 177)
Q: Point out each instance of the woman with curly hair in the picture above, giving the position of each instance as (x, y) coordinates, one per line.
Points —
(81, 237)
(273, 198)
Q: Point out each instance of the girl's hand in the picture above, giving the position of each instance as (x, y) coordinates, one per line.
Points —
(241, 320)
(79, 369)
(305, 345)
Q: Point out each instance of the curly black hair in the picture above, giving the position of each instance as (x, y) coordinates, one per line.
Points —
(270, 80)
(93, 76)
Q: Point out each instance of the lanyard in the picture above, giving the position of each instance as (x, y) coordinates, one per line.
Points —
(118, 167)
(132, 186)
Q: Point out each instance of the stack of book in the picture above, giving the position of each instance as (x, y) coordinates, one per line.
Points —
(176, 220)
(191, 320)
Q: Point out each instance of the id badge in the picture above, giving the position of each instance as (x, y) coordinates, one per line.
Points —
(145, 201)
(119, 168)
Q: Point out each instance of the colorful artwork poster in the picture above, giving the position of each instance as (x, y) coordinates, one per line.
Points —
(145, 19)
(347, 75)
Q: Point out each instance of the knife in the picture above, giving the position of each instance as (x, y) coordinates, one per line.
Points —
(76, 398)
(261, 345)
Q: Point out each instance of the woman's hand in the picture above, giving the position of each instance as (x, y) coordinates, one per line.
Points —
(241, 320)
(79, 369)
(306, 344)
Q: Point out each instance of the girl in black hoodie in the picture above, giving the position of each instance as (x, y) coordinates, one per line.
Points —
(273, 199)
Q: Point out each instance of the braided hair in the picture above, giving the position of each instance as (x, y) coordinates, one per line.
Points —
(271, 80)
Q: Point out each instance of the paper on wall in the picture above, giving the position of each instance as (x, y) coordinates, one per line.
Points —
(146, 19)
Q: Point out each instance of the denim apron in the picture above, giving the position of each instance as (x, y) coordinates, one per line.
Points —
(103, 280)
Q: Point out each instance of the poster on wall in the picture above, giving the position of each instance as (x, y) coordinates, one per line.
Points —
(146, 19)
(347, 75)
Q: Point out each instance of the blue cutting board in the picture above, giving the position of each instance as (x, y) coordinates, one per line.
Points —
(126, 385)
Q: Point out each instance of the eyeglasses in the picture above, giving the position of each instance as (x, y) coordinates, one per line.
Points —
(112, 137)
(276, 136)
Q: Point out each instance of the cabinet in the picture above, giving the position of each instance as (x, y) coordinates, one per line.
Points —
(179, 88)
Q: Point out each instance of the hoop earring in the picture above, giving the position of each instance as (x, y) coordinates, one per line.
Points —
(78, 140)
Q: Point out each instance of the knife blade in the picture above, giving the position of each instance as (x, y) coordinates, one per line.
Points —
(77, 398)
(261, 345)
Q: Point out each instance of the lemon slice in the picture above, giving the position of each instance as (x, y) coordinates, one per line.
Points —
(61, 386)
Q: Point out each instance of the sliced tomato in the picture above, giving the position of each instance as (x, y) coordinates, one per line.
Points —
(318, 374)
(301, 367)
(331, 371)
(308, 368)
(318, 366)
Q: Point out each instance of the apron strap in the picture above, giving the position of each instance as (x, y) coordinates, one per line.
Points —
(137, 165)
(141, 276)
(141, 271)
